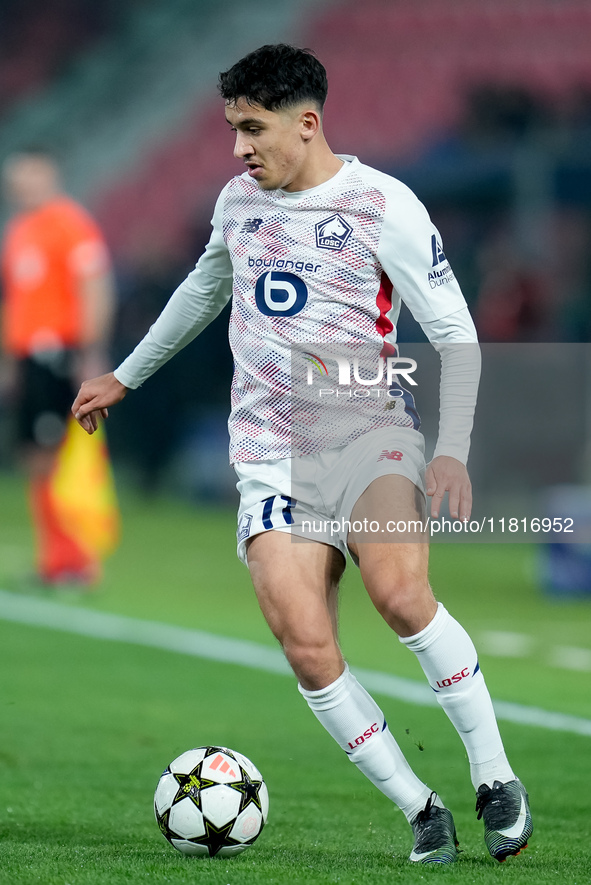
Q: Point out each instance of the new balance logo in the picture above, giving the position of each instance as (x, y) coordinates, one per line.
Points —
(251, 225)
(222, 764)
(438, 253)
(390, 456)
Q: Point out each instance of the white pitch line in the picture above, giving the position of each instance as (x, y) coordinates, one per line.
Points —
(104, 625)
(120, 628)
(502, 644)
(569, 658)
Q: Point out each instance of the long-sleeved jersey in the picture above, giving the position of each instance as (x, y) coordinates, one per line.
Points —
(317, 278)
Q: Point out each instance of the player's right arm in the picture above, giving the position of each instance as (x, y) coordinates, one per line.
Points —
(196, 302)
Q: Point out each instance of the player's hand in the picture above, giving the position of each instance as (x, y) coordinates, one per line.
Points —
(94, 398)
(446, 474)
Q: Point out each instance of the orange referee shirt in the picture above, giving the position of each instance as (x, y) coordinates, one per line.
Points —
(46, 253)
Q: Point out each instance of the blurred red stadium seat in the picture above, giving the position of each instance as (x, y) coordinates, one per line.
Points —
(398, 73)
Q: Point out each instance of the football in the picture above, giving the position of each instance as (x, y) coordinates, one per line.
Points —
(211, 801)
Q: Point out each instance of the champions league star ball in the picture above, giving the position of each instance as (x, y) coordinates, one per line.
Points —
(211, 801)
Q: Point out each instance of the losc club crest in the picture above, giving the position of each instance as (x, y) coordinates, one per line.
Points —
(333, 233)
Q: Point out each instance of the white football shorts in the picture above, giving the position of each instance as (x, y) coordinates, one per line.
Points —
(312, 496)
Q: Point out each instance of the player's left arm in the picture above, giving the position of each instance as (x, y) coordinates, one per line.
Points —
(454, 337)
(411, 252)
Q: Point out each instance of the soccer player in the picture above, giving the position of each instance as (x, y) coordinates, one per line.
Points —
(318, 250)
(56, 313)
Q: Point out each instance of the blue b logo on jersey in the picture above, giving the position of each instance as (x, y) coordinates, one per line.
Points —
(280, 294)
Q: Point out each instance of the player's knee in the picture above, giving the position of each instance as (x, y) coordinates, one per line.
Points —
(311, 660)
(304, 655)
(402, 602)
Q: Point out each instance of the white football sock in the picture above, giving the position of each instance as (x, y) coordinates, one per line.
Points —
(449, 660)
(354, 720)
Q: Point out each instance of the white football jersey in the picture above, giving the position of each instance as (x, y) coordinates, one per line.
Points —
(317, 276)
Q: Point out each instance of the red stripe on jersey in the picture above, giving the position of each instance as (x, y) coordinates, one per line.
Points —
(383, 324)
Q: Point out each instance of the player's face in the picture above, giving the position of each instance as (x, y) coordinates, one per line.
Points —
(272, 144)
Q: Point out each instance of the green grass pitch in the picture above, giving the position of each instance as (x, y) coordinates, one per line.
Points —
(86, 726)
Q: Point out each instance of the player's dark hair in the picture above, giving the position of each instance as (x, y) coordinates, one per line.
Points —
(276, 76)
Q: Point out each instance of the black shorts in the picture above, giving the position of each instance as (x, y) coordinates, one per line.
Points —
(46, 392)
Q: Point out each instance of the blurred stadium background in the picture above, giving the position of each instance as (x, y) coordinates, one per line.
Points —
(484, 108)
